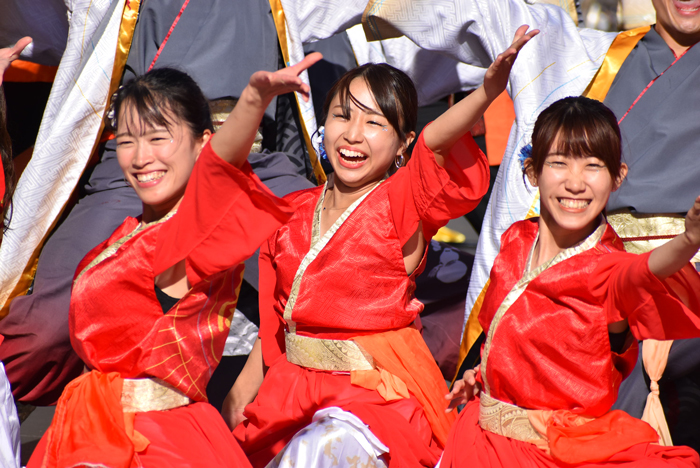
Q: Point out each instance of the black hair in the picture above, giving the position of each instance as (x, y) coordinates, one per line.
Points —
(7, 166)
(393, 91)
(160, 95)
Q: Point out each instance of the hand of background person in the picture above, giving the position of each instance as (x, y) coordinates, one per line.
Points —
(692, 223)
(10, 54)
(463, 390)
(496, 77)
(283, 81)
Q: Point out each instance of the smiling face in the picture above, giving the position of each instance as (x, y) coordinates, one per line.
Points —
(573, 193)
(678, 21)
(156, 160)
(360, 142)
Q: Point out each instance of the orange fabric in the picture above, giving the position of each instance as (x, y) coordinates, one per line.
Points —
(21, 71)
(404, 354)
(89, 425)
(499, 119)
(574, 439)
(385, 383)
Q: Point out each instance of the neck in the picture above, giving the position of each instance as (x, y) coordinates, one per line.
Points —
(678, 42)
(151, 213)
(553, 239)
(339, 195)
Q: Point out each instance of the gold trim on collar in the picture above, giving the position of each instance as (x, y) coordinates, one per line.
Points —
(317, 245)
(521, 285)
(112, 248)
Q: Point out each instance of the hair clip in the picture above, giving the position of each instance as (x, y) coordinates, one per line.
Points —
(525, 152)
(317, 143)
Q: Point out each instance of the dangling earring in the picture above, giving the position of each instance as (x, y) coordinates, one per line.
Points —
(399, 161)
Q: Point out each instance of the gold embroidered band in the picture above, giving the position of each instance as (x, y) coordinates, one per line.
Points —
(505, 419)
(644, 232)
(326, 355)
(141, 395)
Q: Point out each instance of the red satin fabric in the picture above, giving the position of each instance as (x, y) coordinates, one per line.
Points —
(551, 351)
(470, 446)
(117, 324)
(356, 286)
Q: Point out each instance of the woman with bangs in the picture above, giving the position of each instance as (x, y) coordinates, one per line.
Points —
(564, 310)
(348, 380)
(151, 306)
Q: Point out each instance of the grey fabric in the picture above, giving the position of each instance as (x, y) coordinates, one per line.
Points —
(220, 43)
(46, 21)
(661, 131)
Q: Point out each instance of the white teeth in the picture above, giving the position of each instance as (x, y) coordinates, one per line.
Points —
(351, 154)
(575, 204)
(150, 176)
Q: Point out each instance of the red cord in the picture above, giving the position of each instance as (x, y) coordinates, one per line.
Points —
(167, 36)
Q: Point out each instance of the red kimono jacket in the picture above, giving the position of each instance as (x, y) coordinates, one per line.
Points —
(357, 287)
(119, 330)
(549, 349)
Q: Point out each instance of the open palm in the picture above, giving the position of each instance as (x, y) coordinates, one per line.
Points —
(270, 84)
(496, 77)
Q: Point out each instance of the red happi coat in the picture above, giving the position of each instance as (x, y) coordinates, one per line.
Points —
(357, 287)
(119, 330)
(550, 350)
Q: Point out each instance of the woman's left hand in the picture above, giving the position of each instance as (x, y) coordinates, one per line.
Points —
(10, 54)
(283, 81)
(496, 77)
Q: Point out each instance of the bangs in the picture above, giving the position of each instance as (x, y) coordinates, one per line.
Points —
(148, 112)
(581, 128)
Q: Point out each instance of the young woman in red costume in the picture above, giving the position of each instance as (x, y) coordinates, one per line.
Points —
(151, 306)
(347, 371)
(562, 299)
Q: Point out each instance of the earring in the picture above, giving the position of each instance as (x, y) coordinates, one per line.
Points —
(317, 141)
(399, 161)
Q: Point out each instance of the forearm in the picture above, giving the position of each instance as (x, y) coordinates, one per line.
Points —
(233, 141)
(666, 260)
(447, 129)
(248, 382)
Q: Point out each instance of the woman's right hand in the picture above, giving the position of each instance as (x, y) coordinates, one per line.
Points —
(231, 412)
(463, 390)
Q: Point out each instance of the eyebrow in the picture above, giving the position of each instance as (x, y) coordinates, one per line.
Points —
(149, 132)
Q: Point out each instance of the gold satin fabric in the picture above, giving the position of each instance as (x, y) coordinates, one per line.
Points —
(326, 355)
(141, 395)
(506, 420)
(617, 53)
(281, 26)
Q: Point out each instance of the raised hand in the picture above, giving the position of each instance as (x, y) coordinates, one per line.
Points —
(286, 80)
(496, 77)
(10, 54)
(463, 390)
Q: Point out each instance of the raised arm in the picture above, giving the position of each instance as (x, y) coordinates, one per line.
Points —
(672, 256)
(233, 141)
(460, 118)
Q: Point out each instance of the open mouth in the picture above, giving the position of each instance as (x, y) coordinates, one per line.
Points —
(150, 176)
(573, 203)
(687, 7)
(351, 157)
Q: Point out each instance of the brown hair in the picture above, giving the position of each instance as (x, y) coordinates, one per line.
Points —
(7, 165)
(392, 89)
(584, 128)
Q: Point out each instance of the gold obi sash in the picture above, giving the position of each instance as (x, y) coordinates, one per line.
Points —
(644, 232)
(326, 355)
(506, 420)
(141, 395)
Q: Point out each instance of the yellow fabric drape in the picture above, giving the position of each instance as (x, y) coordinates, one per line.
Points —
(617, 53)
(281, 26)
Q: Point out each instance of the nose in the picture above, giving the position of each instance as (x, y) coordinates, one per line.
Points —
(142, 156)
(353, 131)
(575, 182)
